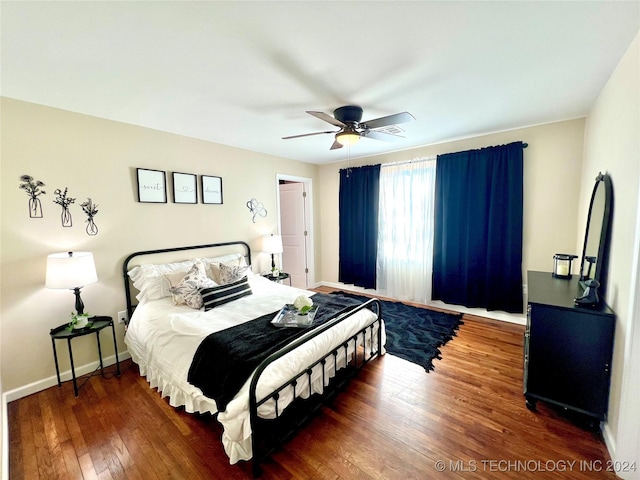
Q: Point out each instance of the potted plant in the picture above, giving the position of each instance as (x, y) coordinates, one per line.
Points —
(78, 321)
(306, 309)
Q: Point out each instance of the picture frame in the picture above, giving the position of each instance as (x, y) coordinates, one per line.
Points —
(185, 188)
(211, 189)
(152, 185)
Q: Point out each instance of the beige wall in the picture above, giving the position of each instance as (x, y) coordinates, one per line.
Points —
(612, 145)
(552, 169)
(97, 158)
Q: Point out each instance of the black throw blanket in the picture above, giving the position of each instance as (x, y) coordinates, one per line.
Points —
(225, 360)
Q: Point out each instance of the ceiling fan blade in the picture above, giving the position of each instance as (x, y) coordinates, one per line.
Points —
(305, 135)
(326, 118)
(385, 137)
(395, 119)
(336, 145)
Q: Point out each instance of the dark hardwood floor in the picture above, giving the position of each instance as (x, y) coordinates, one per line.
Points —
(466, 419)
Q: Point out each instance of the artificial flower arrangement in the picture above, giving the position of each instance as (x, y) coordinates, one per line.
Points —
(303, 304)
(78, 321)
(298, 314)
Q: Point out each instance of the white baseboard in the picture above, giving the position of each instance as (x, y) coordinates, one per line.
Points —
(520, 319)
(45, 383)
(5, 439)
(609, 441)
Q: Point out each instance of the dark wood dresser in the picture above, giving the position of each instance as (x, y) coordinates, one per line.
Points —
(568, 349)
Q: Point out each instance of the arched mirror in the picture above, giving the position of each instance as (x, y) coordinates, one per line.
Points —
(595, 252)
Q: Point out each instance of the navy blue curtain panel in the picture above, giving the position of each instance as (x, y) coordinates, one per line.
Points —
(359, 189)
(477, 259)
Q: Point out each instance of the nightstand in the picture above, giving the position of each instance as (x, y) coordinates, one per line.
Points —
(62, 333)
(281, 276)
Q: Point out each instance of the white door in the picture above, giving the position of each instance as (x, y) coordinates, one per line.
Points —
(294, 233)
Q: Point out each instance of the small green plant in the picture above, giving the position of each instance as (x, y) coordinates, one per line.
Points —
(81, 319)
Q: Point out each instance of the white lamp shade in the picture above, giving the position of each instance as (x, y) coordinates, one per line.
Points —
(272, 244)
(70, 270)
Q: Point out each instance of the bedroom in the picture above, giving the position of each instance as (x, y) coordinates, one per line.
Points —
(96, 157)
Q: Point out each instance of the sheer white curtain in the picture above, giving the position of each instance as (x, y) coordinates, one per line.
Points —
(405, 230)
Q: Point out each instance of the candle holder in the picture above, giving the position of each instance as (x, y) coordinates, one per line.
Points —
(562, 265)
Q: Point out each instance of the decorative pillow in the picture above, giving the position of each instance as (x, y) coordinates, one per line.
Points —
(187, 291)
(231, 272)
(212, 265)
(221, 294)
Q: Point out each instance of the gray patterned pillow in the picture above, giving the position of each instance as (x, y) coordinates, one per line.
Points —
(231, 272)
(187, 291)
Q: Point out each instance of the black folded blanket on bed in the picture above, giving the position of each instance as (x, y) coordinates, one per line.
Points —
(225, 360)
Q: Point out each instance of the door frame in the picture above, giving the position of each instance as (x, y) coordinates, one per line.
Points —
(308, 188)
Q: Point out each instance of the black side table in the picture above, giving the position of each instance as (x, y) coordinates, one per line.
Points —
(61, 333)
(281, 276)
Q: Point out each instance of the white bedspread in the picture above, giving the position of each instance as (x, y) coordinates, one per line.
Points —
(162, 339)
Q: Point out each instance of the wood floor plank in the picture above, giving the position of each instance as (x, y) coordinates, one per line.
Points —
(393, 421)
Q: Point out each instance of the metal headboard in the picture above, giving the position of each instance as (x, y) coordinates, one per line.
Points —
(125, 265)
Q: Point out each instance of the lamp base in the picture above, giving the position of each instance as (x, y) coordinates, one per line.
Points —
(79, 304)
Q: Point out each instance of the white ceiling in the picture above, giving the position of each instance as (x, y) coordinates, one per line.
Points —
(243, 73)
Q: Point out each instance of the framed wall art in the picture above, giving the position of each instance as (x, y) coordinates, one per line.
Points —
(185, 189)
(211, 189)
(152, 186)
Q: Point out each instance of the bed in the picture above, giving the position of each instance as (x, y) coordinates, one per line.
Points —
(285, 384)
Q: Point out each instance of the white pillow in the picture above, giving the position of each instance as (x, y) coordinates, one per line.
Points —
(150, 281)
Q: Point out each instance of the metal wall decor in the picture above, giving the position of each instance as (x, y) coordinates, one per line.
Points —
(64, 201)
(152, 186)
(211, 189)
(32, 187)
(91, 210)
(185, 189)
(256, 208)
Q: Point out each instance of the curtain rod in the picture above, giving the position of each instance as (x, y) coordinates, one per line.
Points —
(421, 159)
(415, 160)
(425, 159)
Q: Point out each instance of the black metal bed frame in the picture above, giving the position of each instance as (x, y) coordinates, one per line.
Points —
(269, 434)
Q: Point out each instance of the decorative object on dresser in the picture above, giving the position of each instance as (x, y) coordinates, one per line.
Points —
(567, 349)
(72, 270)
(594, 262)
(589, 297)
(562, 265)
(272, 244)
(152, 186)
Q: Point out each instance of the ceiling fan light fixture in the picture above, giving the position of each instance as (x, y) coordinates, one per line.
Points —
(347, 137)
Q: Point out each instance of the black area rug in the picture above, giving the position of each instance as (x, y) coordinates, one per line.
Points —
(415, 334)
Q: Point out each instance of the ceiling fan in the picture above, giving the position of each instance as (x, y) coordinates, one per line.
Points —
(348, 118)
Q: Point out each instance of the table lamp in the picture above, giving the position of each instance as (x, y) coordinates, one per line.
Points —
(272, 244)
(72, 270)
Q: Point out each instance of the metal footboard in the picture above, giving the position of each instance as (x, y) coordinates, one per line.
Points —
(269, 434)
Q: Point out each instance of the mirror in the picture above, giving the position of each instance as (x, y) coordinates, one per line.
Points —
(595, 252)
